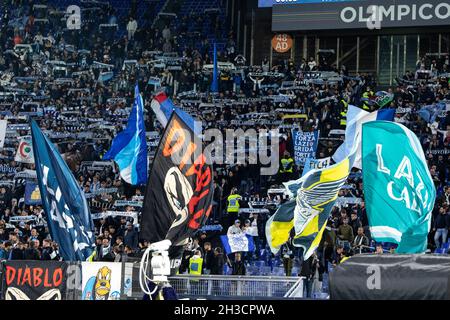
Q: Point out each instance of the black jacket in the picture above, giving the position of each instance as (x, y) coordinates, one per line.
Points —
(130, 238)
(238, 268)
(442, 221)
(208, 259)
(17, 254)
(217, 264)
(31, 254)
(308, 268)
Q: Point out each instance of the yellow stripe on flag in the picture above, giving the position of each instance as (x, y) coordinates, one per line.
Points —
(316, 242)
(279, 232)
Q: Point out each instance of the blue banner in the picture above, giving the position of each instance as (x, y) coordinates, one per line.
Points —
(305, 145)
(67, 212)
(32, 194)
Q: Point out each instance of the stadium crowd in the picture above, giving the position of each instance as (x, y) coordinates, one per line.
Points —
(78, 85)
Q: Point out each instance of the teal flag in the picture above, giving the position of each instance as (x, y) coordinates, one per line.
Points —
(398, 188)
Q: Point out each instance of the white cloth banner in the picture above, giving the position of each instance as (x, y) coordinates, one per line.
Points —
(3, 125)
(25, 150)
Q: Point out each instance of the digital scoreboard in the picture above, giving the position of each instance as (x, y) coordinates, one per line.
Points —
(373, 14)
(271, 3)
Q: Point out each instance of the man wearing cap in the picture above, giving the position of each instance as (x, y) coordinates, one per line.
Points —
(235, 228)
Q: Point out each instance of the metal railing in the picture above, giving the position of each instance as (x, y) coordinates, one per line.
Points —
(252, 287)
(189, 286)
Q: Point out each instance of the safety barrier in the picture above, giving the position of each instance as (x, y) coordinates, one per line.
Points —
(126, 275)
(249, 287)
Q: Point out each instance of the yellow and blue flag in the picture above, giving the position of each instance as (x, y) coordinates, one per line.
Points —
(314, 196)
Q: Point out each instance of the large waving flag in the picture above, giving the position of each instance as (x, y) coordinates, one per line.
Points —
(215, 77)
(178, 200)
(279, 226)
(355, 118)
(315, 194)
(398, 188)
(68, 217)
(129, 147)
(163, 108)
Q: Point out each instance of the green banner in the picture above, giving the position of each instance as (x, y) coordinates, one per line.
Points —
(398, 188)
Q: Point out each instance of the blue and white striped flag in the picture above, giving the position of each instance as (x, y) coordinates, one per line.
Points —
(68, 217)
(129, 147)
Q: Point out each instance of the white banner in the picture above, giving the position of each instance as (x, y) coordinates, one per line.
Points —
(3, 125)
(131, 214)
(25, 150)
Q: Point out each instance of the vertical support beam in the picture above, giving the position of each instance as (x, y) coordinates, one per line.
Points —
(378, 55)
(232, 13)
(252, 45)
(338, 51)
(317, 47)
(418, 47)
(271, 56)
(357, 54)
(292, 49)
(238, 30)
(397, 63)
(391, 59)
(245, 41)
(404, 54)
(305, 47)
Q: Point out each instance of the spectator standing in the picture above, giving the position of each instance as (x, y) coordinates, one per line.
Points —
(233, 205)
(105, 253)
(238, 265)
(130, 237)
(345, 234)
(218, 262)
(196, 263)
(235, 228)
(361, 242)
(441, 226)
(131, 28)
(208, 258)
(31, 253)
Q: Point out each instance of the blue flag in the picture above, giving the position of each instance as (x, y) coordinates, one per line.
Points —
(237, 243)
(215, 80)
(68, 217)
(129, 147)
(430, 112)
